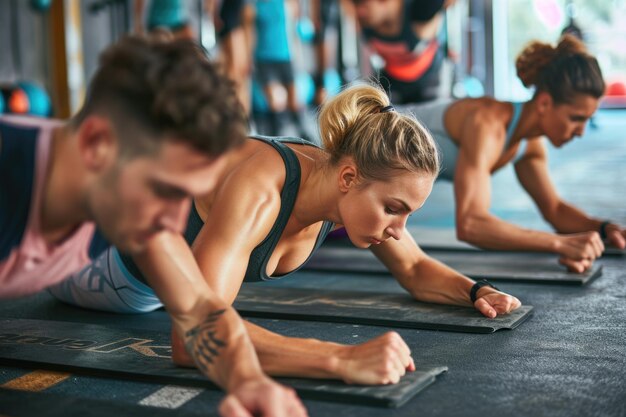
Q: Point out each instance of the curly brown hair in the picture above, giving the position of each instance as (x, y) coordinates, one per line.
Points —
(562, 71)
(155, 89)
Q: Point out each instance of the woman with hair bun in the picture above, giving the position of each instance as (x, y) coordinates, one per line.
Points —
(275, 201)
(479, 136)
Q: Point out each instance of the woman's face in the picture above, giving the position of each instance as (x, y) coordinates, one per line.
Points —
(375, 211)
(563, 122)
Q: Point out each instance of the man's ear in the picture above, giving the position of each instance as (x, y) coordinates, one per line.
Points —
(348, 175)
(97, 143)
(544, 102)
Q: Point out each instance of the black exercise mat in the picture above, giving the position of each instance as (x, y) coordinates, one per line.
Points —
(145, 355)
(29, 404)
(427, 238)
(611, 251)
(444, 239)
(504, 266)
(439, 239)
(357, 307)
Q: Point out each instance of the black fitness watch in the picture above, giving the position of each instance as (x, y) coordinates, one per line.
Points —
(477, 286)
(602, 230)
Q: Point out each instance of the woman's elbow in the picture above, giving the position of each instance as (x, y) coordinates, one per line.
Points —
(467, 229)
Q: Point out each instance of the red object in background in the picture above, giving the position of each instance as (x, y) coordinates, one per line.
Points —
(18, 102)
(615, 95)
(616, 88)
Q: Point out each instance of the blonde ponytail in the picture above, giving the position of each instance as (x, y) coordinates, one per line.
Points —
(356, 123)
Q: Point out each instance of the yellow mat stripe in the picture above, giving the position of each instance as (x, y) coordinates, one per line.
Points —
(36, 381)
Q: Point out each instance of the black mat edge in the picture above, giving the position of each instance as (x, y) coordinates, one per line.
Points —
(528, 280)
(365, 322)
(345, 243)
(576, 280)
(614, 252)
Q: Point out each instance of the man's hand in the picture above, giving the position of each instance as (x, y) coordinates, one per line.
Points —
(262, 397)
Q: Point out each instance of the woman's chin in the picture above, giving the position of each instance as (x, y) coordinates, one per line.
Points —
(361, 244)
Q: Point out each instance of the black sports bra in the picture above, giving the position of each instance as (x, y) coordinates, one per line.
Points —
(257, 264)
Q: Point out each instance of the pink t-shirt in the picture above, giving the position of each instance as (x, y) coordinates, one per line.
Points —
(34, 264)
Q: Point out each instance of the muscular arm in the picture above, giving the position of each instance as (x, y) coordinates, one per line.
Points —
(478, 153)
(428, 280)
(213, 333)
(472, 189)
(532, 172)
(239, 218)
(299, 357)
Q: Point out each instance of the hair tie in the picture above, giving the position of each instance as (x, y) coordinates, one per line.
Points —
(387, 109)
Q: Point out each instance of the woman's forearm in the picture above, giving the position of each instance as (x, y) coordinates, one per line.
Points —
(433, 282)
(569, 219)
(437, 283)
(381, 360)
(489, 232)
(291, 356)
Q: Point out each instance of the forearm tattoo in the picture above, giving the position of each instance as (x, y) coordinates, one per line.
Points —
(202, 341)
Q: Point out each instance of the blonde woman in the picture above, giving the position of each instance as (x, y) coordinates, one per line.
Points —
(479, 136)
(276, 200)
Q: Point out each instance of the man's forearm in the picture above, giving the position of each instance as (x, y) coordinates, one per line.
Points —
(212, 332)
(220, 348)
